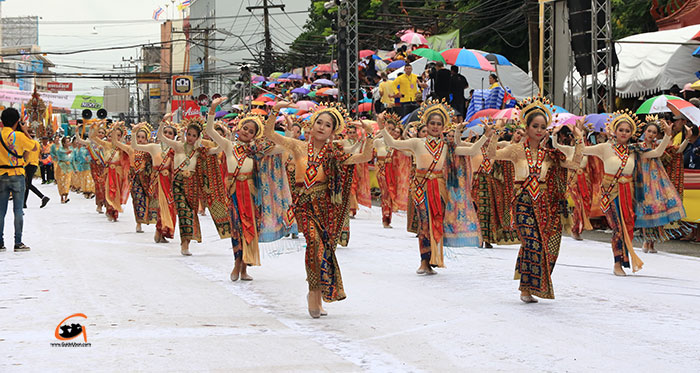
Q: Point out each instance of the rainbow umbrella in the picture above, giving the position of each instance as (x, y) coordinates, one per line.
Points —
(498, 59)
(685, 108)
(486, 113)
(507, 114)
(466, 58)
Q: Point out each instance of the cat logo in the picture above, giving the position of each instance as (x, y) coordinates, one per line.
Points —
(182, 85)
(69, 331)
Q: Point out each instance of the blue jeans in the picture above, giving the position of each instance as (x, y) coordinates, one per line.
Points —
(14, 184)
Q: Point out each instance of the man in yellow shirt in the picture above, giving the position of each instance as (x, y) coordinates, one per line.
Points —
(387, 92)
(407, 85)
(32, 164)
(13, 145)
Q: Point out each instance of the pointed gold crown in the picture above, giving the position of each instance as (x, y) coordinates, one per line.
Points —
(194, 121)
(622, 116)
(145, 127)
(257, 119)
(393, 119)
(335, 110)
(535, 105)
(440, 107)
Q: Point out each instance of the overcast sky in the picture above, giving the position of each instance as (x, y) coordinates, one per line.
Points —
(58, 30)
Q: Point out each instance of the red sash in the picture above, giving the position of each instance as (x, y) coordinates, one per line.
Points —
(245, 209)
(437, 213)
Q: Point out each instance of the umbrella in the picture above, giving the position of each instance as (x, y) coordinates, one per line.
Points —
(498, 59)
(335, 76)
(396, 64)
(257, 103)
(364, 107)
(413, 38)
(697, 52)
(258, 112)
(656, 105)
(220, 114)
(696, 85)
(332, 92)
(430, 54)
(375, 57)
(473, 131)
(412, 117)
(322, 92)
(295, 77)
(380, 65)
(230, 115)
(324, 68)
(511, 113)
(597, 121)
(300, 90)
(284, 76)
(270, 103)
(560, 119)
(365, 100)
(555, 109)
(289, 110)
(680, 106)
(258, 78)
(365, 53)
(269, 95)
(466, 58)
(275, 75)
(305, 105)
(324, 82)
(484, 113)
(312, 94)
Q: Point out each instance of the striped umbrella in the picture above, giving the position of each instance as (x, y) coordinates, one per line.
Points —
(685, 108)
(466, 58)
(656, 105)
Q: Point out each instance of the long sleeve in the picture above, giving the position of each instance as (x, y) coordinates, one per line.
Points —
(363, 157)
(408, 144)
(211, 131)
(471, 149)
(683, 146)
(174, 144)
(574, 158)
(286, 142)
(659, 150)
(596, 150)
(505, 154)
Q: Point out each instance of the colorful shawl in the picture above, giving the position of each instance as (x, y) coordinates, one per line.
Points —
(657, 202)
(461, 223)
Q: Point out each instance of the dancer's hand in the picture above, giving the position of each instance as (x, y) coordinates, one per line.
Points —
(668, 129)
(282, 104)
(215, 104)
(167, 117)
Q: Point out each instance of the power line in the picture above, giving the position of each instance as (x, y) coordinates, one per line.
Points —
(130, 21)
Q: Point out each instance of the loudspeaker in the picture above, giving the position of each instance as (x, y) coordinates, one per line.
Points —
(87, 114)
(102, 113)
(581, 29)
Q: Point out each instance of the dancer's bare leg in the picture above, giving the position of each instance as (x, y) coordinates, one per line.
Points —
(185, 248)
(526, 297)
(618, 271)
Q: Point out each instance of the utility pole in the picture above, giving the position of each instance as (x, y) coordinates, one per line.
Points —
(267, 63)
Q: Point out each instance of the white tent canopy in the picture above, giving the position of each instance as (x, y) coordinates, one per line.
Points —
(647, 65)
(512, 77)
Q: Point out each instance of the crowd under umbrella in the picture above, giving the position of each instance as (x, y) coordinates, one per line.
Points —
(295, 77)
(306, 105)
(413, 38)
(597, 122)
(364, 107)
(301, 91)
(365, 53)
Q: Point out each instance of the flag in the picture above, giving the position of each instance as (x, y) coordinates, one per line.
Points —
(183, 5)
(507, 97)
(157, 13)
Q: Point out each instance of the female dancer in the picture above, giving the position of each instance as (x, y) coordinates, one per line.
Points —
(63, 170)
(140, 174)
(117, 166)
(539, 196)
(97, 169)
(196, 178)
(250, 186)
(654, 215)
(75, 182)
(435, 159)
(411, 216)
(386, 171)
(492, 191)
(323, 179)
(160, 185)
(617, 203)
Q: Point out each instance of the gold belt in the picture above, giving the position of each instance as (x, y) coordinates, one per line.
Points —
(165, 172)
(433, 175)
(112, 165)
(242, 177)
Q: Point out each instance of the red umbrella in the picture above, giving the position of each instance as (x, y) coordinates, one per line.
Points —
(324, 68)
(484, 113)
(364, 107)
(365, 53)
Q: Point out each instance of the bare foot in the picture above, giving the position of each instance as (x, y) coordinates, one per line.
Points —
(312, 300)
(645, 246)
(98, 209)
(138, 228)
(430, 271)
(236, 270)
(185, 248)
(526, 297)
(618, 271)
(576, 236)
(487, 245)
(244, 272)
(157, 237)
(652, 249)
(424, 267)
(320, 306)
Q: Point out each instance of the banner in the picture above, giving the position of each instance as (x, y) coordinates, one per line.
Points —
(87, 102)
(190, 108)
(444, 41)
(58, 86)
(63, 100)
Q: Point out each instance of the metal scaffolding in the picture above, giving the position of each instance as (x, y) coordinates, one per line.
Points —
(548, 50)
(349, 89)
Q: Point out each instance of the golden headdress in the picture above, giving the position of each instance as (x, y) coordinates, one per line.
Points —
(115, 126)
(440, 107)
(144, 126)
(393, 119)
(622, 116)
(194, 121)
(335, 110)
(257, 119)
(535, 105)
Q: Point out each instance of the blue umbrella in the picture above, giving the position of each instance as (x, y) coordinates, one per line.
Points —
(597, 121)
(500, 60)
(557, 109)
(284, 76)
(396, 64)
(365, 100)
(301, 91)
(697, 52)
(220, 114)
(375, 57)
(335, 76)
